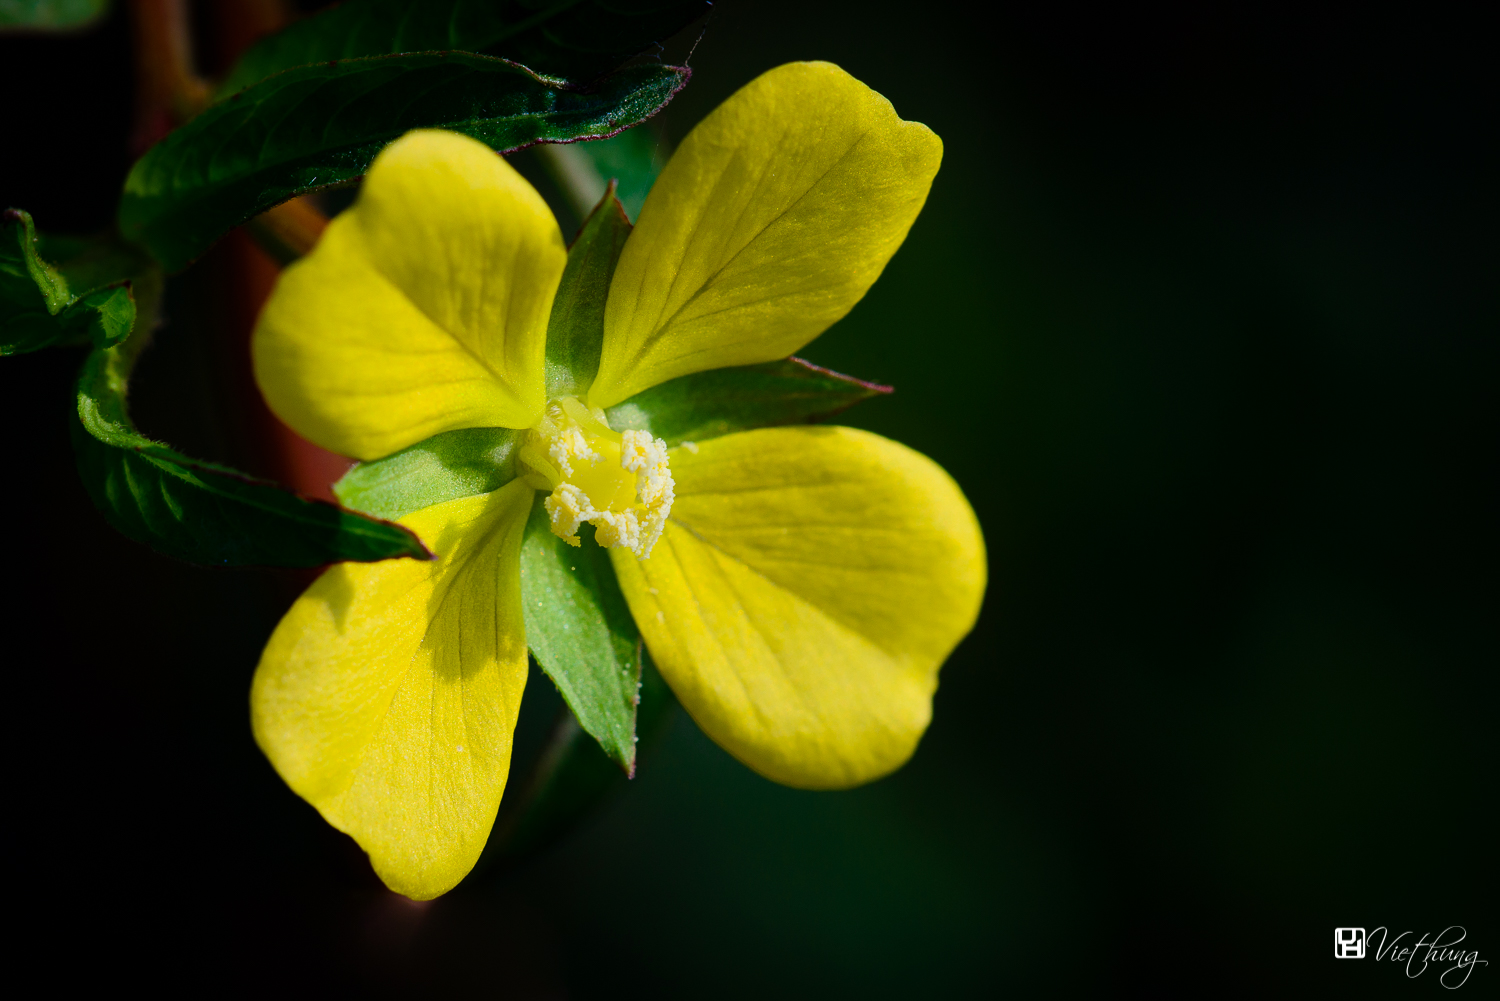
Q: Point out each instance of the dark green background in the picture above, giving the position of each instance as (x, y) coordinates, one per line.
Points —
(1202, 315)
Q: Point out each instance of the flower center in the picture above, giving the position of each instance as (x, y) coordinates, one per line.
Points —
(619, 482)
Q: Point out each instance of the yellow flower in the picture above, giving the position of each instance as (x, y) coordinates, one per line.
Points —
(807, 582)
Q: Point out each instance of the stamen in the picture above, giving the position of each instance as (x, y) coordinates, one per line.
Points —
(587, 419)
(621, 483)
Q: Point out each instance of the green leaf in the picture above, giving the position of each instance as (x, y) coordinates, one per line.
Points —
(199, 511)
(444, 467)
(575, 330)
(38, 305)
(50, 15)
(709, 404)
(576, 40)
(581, 633)
(316, 126)
(32, 293)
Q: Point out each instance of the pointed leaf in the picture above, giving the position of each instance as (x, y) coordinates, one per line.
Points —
(444, 467)
(569, 39)
(575, 330)
(581, 633)
(320, 125)
(199, 511)
(84, 298)
(709, 404)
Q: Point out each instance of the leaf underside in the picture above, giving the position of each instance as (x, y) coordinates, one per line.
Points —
(315, 126)
(575, 40)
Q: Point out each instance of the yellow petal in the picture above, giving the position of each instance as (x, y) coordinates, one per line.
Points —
(770, 222)
(387, 697)
(808, 586)
(422, 309)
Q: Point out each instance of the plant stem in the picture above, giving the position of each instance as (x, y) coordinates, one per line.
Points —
(575, 174)
(513, 831)
(289, 230)
(168, 88)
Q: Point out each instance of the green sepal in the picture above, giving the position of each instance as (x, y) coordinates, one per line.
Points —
(202, 512)
(444, 467)
(40, 305)
(581, 632)
(567, 39)
(575, 330)
(316, 126)
(721, 401)
(50, 15)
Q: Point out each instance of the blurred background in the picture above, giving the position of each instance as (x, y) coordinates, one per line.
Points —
(1201, 314)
